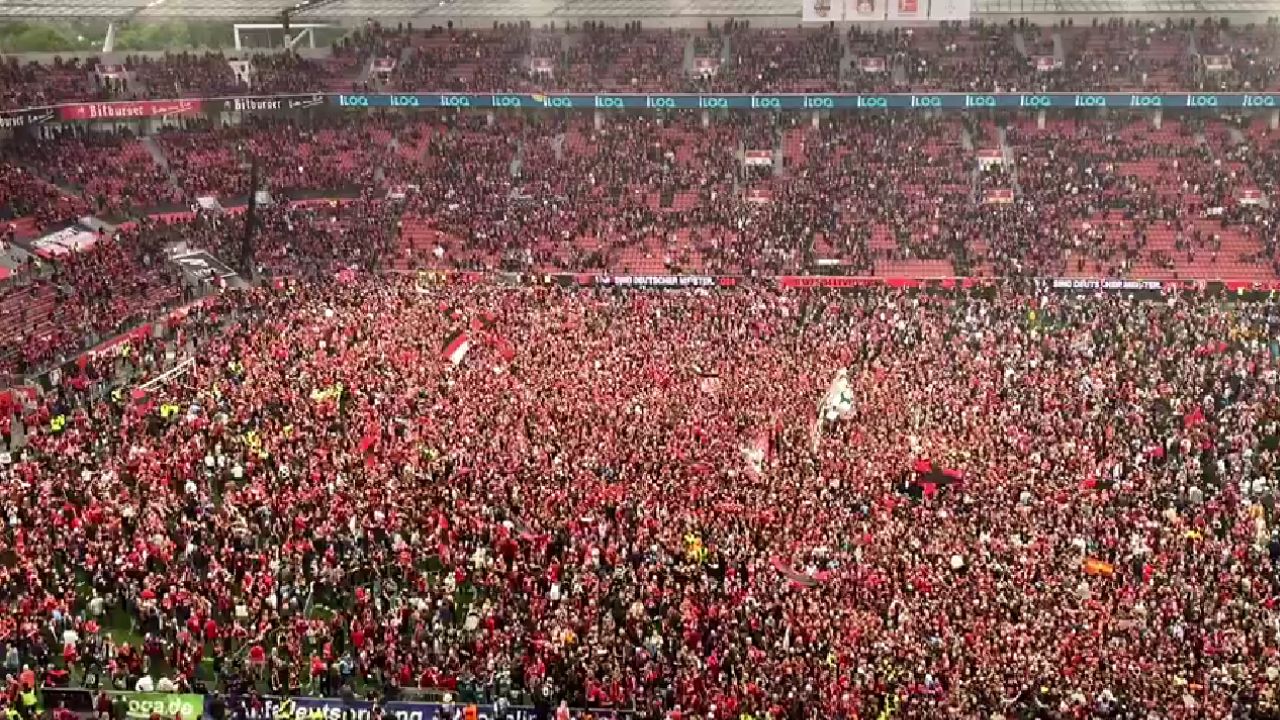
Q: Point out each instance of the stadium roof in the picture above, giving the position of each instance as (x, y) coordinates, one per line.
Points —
(430, 11)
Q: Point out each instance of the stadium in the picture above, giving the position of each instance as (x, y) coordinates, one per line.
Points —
(639, 359)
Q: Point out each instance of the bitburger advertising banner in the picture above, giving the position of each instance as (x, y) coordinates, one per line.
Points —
(271, 104)
(130, 110)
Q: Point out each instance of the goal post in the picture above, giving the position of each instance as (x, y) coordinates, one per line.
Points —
(299, 32)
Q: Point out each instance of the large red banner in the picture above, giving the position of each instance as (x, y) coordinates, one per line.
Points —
(129, 110)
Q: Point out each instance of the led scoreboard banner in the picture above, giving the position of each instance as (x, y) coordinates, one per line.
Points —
(141, 109)
(830, 101)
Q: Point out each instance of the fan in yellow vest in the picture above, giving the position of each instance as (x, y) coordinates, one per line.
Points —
(285, 710)
(29, 702)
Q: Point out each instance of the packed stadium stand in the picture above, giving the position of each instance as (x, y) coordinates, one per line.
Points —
(800, 370)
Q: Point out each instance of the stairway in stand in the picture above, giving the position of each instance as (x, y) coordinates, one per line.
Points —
(419, 240)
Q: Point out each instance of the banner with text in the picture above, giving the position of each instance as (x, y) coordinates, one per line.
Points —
(130, 110)
(814, 101)
(166, 705)
(75, 238)
(75, 112)
(26, 118)
(270, 103)
(336, 709)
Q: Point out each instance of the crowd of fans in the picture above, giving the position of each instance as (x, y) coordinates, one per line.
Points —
(569, 511)
(174, 75)
(1025, 503)
(340, 156)
(29, 197)
(112, 172)
(1111, 55)
(120, 282)
(746, 193)
(75, 299)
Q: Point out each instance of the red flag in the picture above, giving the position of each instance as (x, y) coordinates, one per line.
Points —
(505, 348)
(370, 438)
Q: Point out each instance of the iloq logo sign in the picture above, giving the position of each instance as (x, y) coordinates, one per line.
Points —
(353, 101)
(142, 705)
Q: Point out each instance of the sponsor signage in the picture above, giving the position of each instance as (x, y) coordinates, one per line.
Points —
(129, 110)
(166, 705)
(256, 104)
(336, 709)
(636, 101)
(276, 103)
(25, 118)
(828, 101)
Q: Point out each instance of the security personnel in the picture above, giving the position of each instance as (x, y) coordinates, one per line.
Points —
(58, 423)
(11, 714)
(29, 702)
(471, 712)
(315, 714)
(286, 709)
